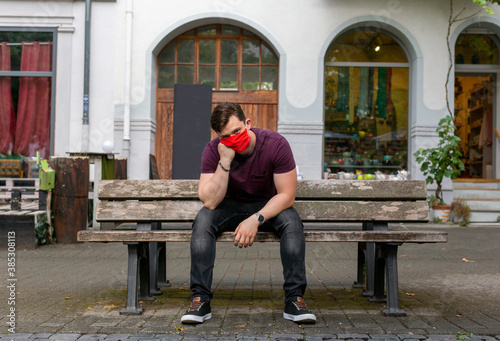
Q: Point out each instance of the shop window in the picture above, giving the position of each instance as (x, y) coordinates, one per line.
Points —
(475, 94)
(26, 85)
(474, 98)
(476, 49)
(366, 46)
(225, 57)
(366, 107)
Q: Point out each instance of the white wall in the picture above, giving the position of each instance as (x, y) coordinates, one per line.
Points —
(300, 32)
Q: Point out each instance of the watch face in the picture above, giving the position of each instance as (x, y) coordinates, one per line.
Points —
(260, 218)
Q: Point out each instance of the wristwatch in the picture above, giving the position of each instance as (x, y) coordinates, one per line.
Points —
(260, 218)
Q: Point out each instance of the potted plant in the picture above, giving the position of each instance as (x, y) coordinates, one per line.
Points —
(461, 212)
(440, 162)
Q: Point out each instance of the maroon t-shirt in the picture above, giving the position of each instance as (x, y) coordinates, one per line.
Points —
(251, 178)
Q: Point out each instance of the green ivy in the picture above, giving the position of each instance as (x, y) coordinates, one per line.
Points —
(42, 231)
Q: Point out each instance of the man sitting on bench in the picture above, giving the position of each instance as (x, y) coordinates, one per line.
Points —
(248, 181)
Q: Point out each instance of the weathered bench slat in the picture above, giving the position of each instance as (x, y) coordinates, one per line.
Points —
(148, 189)
(311, 236)
(362, 189)
(334, 189)
(175, 210)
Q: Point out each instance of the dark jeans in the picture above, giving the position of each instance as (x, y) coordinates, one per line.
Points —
(226, 217)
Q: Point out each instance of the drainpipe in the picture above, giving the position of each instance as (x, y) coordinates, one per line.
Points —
(128, 79)
(86, 73)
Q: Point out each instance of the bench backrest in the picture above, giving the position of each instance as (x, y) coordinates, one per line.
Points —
(316, 200)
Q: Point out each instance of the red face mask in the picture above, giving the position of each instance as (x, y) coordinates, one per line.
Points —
(238, 142)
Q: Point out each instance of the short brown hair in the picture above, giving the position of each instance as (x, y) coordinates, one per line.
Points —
(222, 113)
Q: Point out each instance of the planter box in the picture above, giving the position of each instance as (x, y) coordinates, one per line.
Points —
(23, 223)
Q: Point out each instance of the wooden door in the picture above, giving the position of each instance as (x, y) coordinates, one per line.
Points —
(260, 106)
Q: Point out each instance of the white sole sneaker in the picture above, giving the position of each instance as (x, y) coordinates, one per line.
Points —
(303, 318)
(193, 319)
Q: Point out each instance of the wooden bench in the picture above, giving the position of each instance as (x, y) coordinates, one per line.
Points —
(157, 205)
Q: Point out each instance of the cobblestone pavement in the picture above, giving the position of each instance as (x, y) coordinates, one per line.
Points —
(75, 292)
(262, 337)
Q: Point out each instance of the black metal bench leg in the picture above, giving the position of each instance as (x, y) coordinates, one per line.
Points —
(371, 257)
(153, 269)
(162, 265)
(360, 279)
(144, 293)
(370, 269)
(368, 263)
(153, 253)
(132, 281)
(391, 252)
(379, 277)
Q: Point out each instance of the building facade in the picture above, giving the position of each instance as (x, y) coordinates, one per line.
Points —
(353, 86)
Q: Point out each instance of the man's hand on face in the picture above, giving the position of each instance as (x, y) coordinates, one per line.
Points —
(226, 155)
(246, 231)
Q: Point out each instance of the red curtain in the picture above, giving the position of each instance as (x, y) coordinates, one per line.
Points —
(33, 112)
(7, 117)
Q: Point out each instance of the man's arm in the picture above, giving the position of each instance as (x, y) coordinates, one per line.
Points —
(286, 187)
(213, 186)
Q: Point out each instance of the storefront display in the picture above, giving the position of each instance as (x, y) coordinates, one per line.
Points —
(474, 122)
(366, 107)
(366, 120)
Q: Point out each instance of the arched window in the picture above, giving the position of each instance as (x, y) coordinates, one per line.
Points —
(366, 105)
(239, 66)
(476, 49)
(226, 57)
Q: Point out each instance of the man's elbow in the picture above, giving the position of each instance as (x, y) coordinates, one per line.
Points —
(290, 201)
(209, 204)
(210, 207)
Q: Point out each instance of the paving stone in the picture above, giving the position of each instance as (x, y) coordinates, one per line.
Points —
(62, 337)
(116, 337)
(65, 337)
(286, 337)
(192, 337)
(141, 337)
(248, 337)
(92, 337)
(40, 336)
(442, 337)
(314, 337)
(411, 336)
(17, 336)
(384, 336)
(352, 336)
(168, 337)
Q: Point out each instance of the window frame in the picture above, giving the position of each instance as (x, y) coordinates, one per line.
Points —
(52, 74)
(218, 37)
(406, 65)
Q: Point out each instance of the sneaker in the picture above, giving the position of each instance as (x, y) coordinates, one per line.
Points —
(198, 312)
(297, 311)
